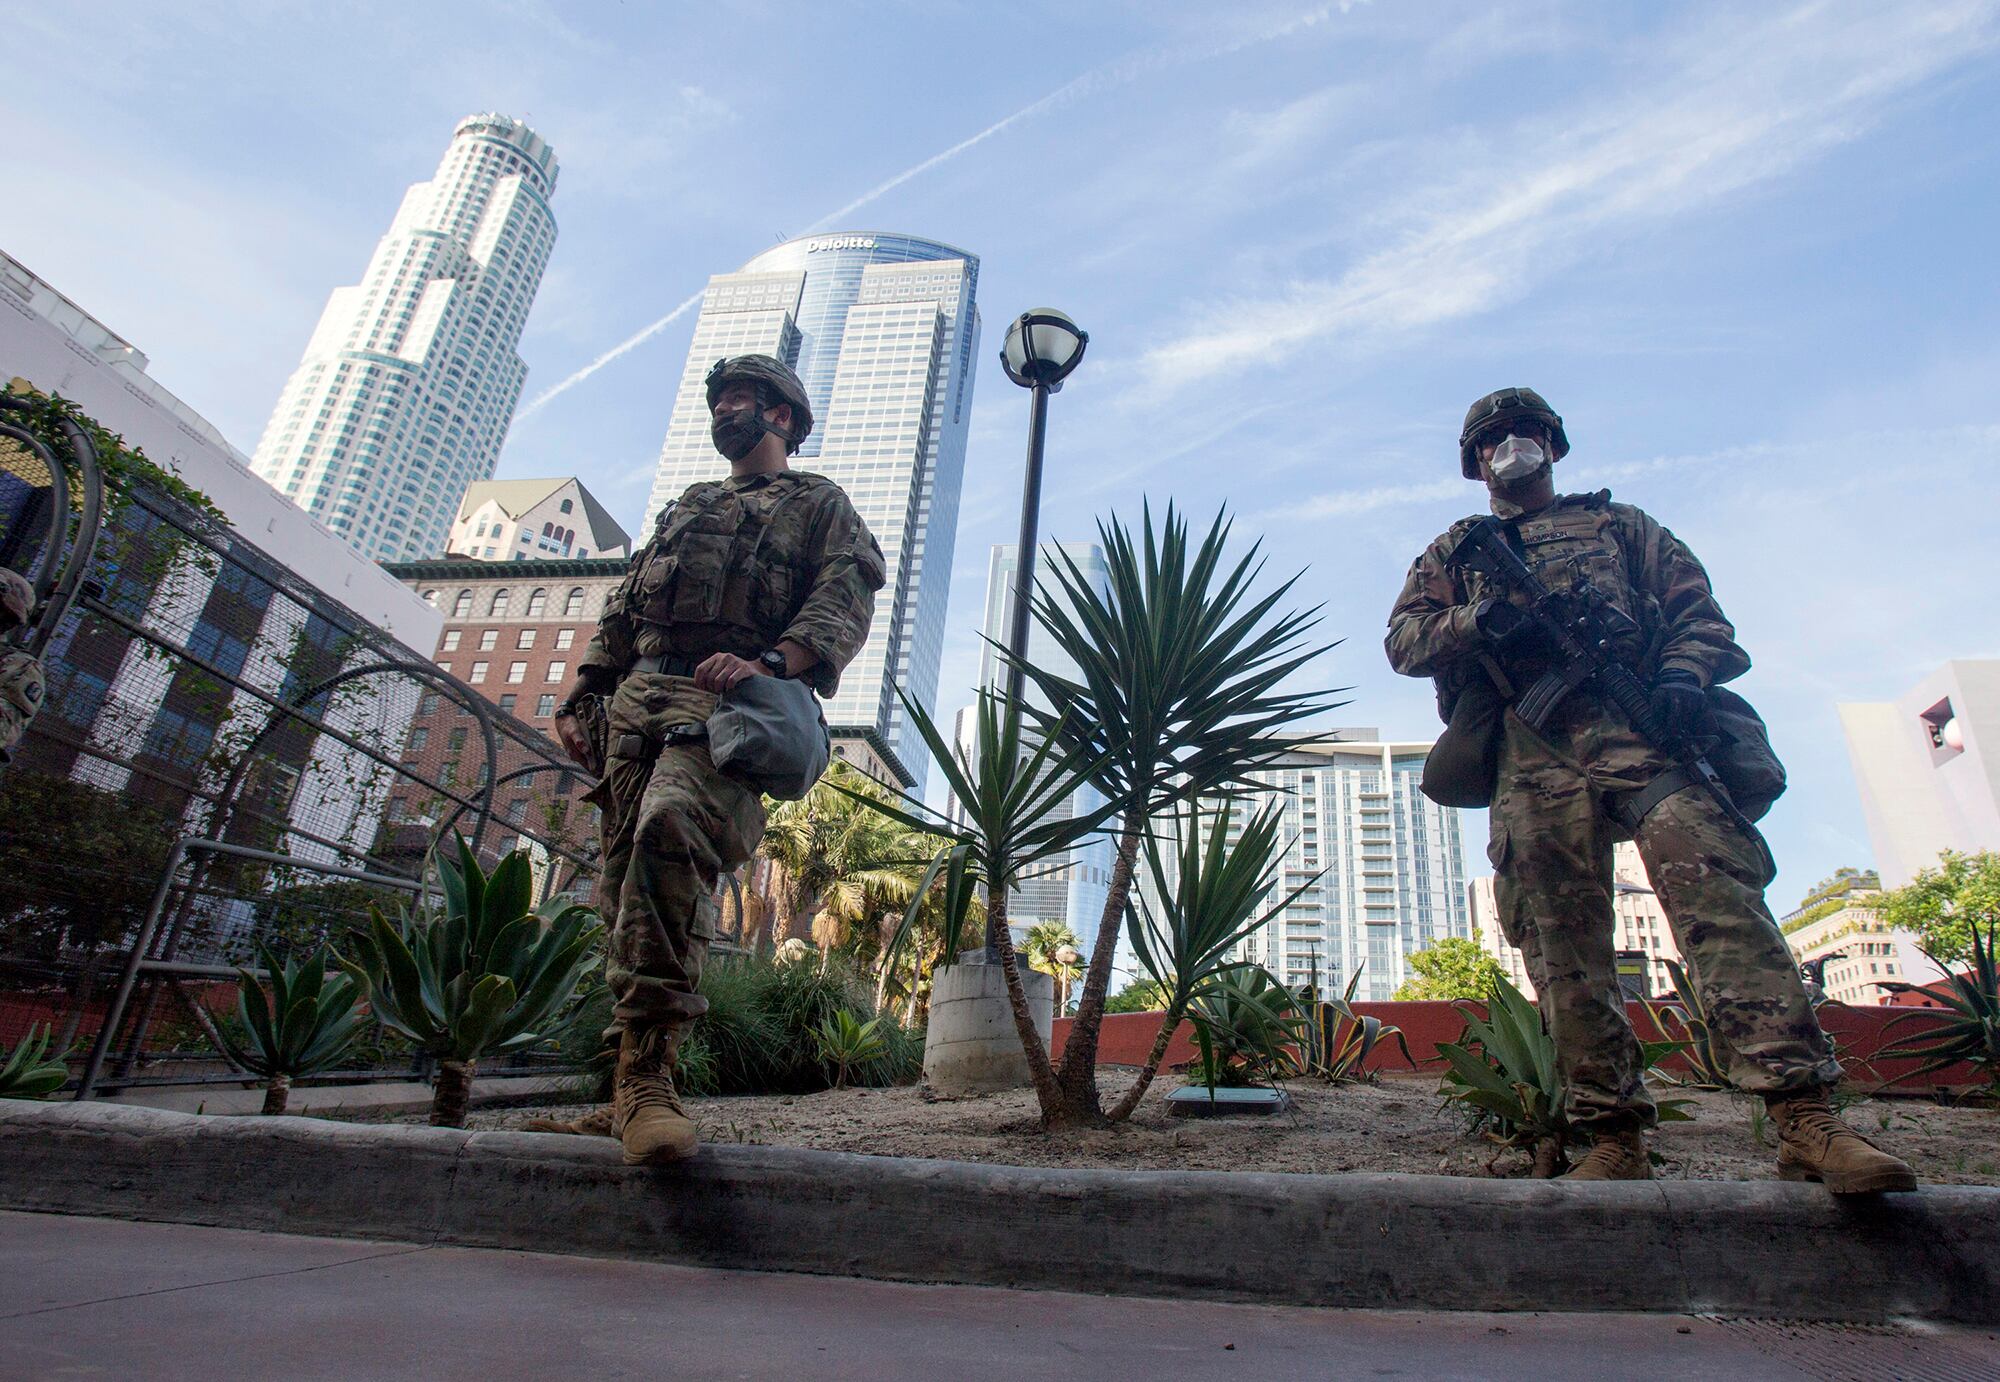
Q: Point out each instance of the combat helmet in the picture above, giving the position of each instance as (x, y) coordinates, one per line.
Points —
(776, 383)
(17, 599)
(1504, 405)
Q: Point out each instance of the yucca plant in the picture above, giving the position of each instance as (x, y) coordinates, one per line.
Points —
(1970, 1027)
(28, 1072)
(1008, 792)
(308, 1025)
(1211, 897)
(1708, 1067)
(484, 975)
(1346, 1039)
(845, 1041)
(1247, 1027)
(1177, 696)
(1504, 1068)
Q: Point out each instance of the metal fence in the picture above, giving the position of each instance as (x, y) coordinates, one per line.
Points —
(199, 692)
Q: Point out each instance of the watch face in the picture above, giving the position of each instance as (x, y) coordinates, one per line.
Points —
(775, 661)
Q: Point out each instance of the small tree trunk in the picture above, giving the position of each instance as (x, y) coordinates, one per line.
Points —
(1549, 1158)
(452, 1095)
(1055, 1112)
(1078, 1070)
(277, 1093)
(1122, 1110)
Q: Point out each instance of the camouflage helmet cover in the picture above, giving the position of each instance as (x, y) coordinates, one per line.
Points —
(1504, 405)
(17, 599)
(776, 383)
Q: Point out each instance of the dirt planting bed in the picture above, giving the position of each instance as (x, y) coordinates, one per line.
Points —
(1397, 1125)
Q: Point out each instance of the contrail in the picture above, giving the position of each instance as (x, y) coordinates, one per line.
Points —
(1119, 73)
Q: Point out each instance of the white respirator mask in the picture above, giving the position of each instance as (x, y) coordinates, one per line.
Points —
(1516, 459)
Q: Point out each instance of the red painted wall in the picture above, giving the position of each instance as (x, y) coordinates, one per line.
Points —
(1858, 1034)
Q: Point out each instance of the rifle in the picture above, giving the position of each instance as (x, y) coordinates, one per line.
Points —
(1583, 628)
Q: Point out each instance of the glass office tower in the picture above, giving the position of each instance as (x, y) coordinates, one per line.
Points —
(883, 330)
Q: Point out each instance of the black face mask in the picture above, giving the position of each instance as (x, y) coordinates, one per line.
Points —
(736, 434)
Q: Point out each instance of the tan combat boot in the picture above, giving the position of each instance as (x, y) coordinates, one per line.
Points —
(597, 1123)
(1813, 1144)
(646, 1112)
(1615, 1156)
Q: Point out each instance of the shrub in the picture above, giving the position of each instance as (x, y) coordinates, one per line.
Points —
(26, 1072)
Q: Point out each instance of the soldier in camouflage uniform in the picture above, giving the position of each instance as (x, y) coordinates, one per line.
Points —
(768, 572)
(1566, 794)
(20, 673)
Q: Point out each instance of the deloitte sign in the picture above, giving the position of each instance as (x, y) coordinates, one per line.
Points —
(841, 242)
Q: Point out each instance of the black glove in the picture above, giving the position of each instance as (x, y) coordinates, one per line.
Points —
(1510, 631)
(1679, 702)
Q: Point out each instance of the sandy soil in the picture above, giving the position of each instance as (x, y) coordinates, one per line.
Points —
(1398, 1125)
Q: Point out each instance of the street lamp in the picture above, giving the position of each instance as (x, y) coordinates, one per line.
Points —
(1043, 346)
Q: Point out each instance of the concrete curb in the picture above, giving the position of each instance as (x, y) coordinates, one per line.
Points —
(382, 1098)
(1376, 1241)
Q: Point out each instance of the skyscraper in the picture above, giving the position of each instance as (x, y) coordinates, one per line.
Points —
(883, 330)
(409, 382)
(1391, 865)
(1071, 888)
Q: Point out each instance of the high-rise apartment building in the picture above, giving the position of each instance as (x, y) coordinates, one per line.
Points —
(1644, 940)
(409, 382)
(1070, 889)
(883, 330)
(1928, 765)
(1390, 863)
(1859, 953)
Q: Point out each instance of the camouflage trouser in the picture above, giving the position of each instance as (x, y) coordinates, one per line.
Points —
(20, 698)
(1551, 846)
(672, 826)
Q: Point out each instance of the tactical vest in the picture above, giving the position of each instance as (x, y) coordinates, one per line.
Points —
(1579, 539)
(714, 561)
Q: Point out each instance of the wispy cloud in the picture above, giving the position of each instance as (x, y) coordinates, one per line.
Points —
(1745, 107)
(1093, 82)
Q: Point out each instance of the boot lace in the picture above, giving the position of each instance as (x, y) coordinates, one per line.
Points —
(1815, 1125)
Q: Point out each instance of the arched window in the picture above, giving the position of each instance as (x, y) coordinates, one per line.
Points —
(573, 606)
(431, 598)
(499, 610)
(567, 506)
(462, 606)
(538, 599)
(548, 530)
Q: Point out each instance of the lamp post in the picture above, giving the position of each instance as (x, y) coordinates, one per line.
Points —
(1042, 347)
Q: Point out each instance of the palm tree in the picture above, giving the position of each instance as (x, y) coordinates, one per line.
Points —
(1177, 696)
(841, 863)
(1009, 797)
(1051, 947)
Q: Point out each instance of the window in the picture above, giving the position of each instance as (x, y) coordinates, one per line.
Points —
(450, 644)
(573, 605)
(427, 703)
(525, 639)
(517, 811)
(557, 671)
(517, 672)
(462, 606)
(478, 672)
(455, 743)
(488, 639)
(548, 530)
(431, 598)
(507, 703)
(499, 609)
(538, 599)
(564, 637)
(545, 706)
(567, 505)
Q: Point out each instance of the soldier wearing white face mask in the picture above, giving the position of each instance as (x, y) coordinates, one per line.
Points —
(1563, 790)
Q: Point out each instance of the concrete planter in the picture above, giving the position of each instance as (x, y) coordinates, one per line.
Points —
(1404, 1242)
(971, 1046)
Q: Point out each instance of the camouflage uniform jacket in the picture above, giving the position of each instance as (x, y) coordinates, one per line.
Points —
(740, 564)
(1620, 551)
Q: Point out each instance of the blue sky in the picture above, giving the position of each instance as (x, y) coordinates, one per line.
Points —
(1747, 250)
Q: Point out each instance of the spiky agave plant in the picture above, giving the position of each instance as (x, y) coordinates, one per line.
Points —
(1708, 1067)
(1248, 1028)
(1347, 1039)
(27, 1072)
(308, 1025)
(484, 975)
(1968, 1028)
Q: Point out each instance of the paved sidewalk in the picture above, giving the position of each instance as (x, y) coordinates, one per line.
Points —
(165, 1301)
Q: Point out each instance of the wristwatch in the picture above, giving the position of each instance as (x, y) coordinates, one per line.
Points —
(773, 662)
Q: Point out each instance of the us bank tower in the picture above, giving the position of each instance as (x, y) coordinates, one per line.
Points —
(884, 331)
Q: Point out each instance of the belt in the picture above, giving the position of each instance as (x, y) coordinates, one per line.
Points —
(667, 664)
